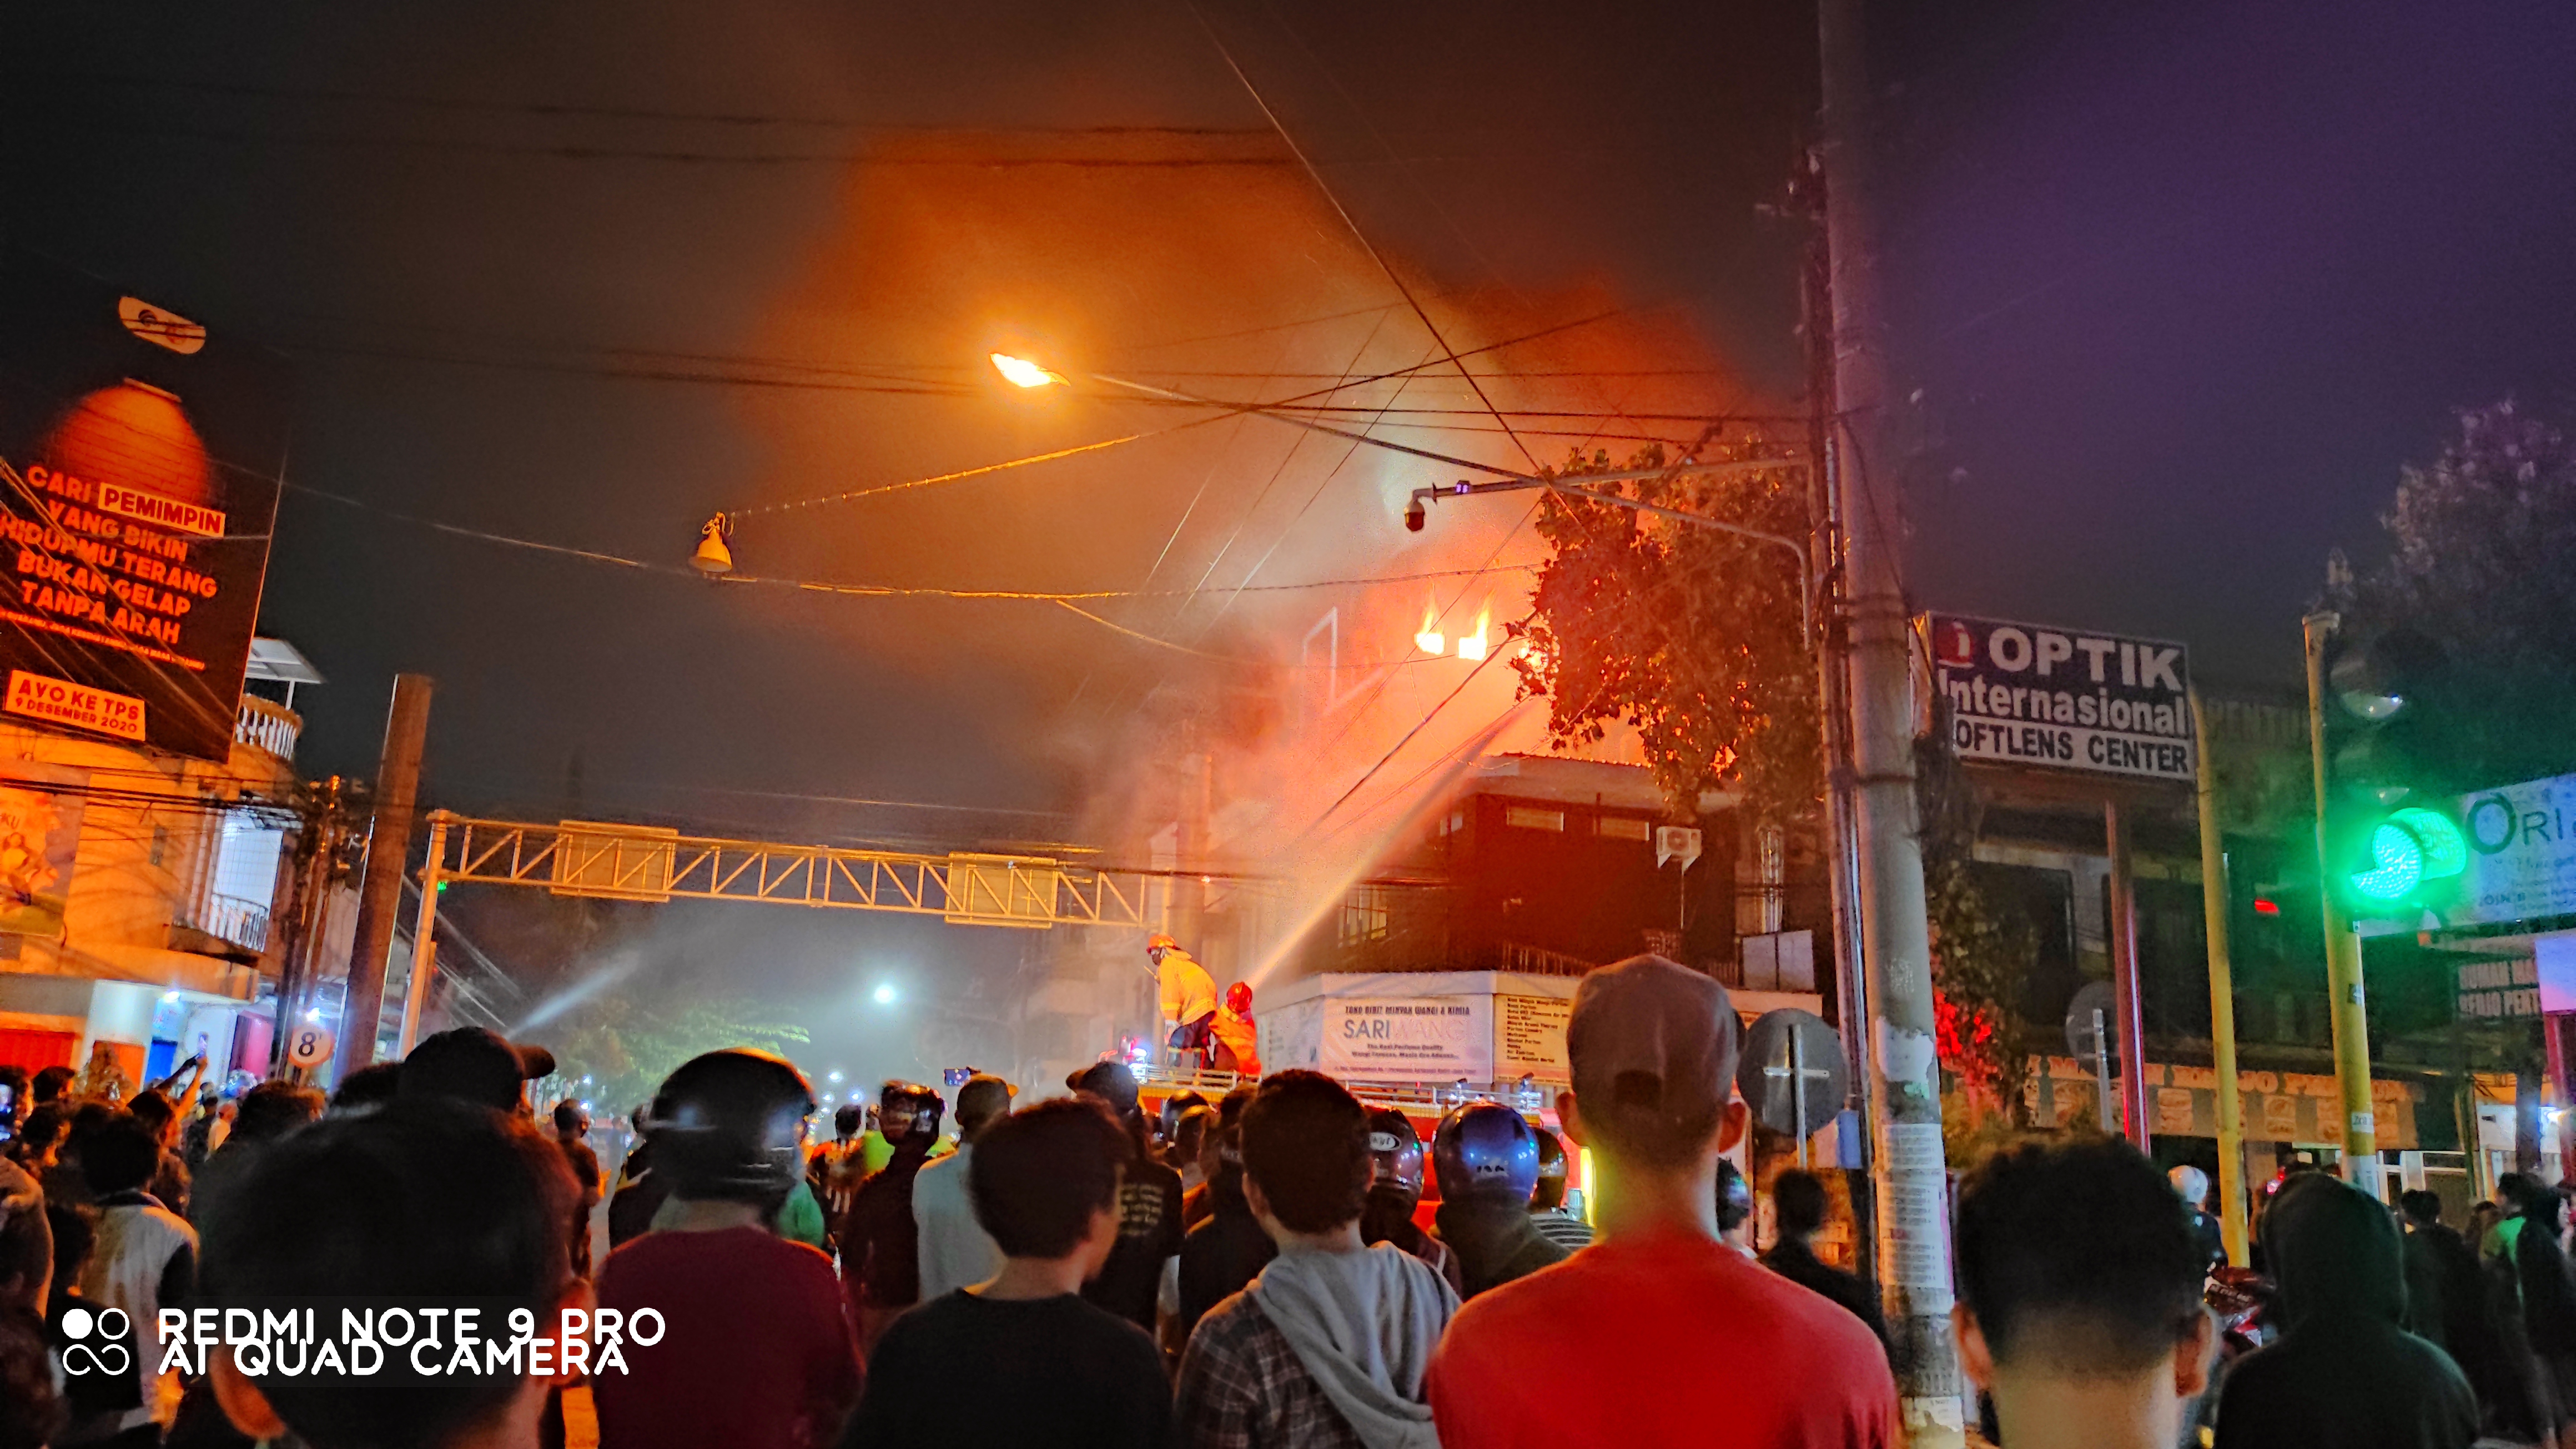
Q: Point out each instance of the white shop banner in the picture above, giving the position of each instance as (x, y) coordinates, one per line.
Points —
(1409, 1039)
(2522, 853)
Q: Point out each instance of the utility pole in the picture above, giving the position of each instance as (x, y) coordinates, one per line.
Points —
(1909, 1175)
(317, 844)
(380, 888)
(2222, 999)
(2350, 1013)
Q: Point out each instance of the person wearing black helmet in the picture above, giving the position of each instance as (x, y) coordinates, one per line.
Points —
(757, 1349)
(1395, 1190)
(880, 1242)
(1487, 1158)
(1548, 1212)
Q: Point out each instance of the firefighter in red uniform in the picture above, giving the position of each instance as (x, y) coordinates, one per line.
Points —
(1237, 1042)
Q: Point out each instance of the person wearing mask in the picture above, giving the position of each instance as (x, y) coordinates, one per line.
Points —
(1186, 996)
(2343, 1373)
(424, 1199)
(1328, 1346)
(572, 1138)
(145, 1261)
(1487, 1157)
(1226, 1249)
(2079, 1298)
(1630, 1329)
(1149, 1208)
(1395, 1190)
(758, 1352)
(880, 1244)
(1019, 1358)
(1798, 1206)
(2192, 1186)
(1548, 1212)
(956, 1252)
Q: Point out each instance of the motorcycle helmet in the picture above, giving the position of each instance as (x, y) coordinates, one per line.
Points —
(1485, 1150)
(1553, 1170)
(1395, 1152)
(729, 1125)
(1238, 998)
(908, 1112)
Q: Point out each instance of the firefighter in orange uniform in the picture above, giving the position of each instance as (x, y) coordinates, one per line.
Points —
(1237, 1042)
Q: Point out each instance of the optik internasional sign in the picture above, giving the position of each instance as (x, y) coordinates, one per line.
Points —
(2062, 699)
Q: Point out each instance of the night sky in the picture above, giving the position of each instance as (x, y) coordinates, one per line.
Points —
(2179, 288)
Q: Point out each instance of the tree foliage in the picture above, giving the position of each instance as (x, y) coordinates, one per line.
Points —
(627, 1048)
(1982, 944)
(2478, 546)
(1691, 635)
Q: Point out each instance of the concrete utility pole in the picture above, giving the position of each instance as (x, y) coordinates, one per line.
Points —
(380, 888)
(1908, 1172)
(2358, 1132)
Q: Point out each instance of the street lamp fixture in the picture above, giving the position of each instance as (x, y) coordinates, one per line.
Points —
(884, 994)
(715, 550)
(1020, 372)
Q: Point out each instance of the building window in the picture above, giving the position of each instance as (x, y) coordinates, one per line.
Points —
(1621, 827)
(1364, 917)
(1527, 818)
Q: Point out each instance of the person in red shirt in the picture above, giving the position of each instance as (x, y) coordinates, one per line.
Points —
(1659, 1333)
(756, 1351)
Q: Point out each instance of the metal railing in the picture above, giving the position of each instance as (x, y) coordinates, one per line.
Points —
(266, 726)
(231, 918)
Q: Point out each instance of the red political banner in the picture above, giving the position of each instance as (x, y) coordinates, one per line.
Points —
(139, 461)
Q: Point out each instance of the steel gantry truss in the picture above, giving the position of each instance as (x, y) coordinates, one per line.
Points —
(642, 863)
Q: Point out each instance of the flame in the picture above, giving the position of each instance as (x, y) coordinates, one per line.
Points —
(1431, 640)
(1020, 372)
(1473, 646)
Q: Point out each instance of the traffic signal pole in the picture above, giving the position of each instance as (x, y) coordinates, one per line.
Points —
(2343, 946)
(1908, 1171)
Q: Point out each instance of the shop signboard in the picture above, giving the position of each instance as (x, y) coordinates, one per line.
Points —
(2063, 699)
(1429, 1038)
(139, 461)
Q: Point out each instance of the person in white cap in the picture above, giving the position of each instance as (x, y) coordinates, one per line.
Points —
(1659, 1333)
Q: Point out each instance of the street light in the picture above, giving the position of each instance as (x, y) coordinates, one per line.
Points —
(836, 1076)
(884, 994)
(1020, 372)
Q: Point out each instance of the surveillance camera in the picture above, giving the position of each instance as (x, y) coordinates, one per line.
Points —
(1413, 515)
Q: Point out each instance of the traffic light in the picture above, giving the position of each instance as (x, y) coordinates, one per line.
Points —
(2388, 854)
(2412, 853)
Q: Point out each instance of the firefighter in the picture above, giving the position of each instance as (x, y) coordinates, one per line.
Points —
(1187, 996)
(1237, 1042)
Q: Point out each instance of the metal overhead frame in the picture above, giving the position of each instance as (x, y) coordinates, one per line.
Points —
(641, 863)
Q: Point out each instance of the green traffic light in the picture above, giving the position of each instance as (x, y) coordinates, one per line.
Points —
(2407, 849)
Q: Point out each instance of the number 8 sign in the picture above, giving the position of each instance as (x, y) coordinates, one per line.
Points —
(309, 1045)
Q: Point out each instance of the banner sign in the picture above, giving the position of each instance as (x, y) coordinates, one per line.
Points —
(2028, 694)
(2522, 853)
(1430, 1038)
(142, 455)
(2289, 1107)
(1529, 1038)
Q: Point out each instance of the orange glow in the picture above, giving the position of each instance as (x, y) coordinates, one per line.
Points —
(1473, 646)
(1431, 640)
(1020, 372)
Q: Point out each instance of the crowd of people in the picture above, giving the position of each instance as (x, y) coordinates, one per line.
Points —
(1248, 1273)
